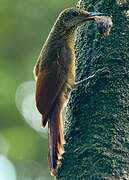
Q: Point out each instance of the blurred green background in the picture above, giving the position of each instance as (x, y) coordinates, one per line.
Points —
(24, 26)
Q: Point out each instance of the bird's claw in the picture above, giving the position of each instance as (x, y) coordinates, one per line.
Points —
(98, 73)
(86, 87)
(103, 71)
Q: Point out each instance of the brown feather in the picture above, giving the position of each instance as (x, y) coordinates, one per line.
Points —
(46, 93)
(44, 120)
(56, 138)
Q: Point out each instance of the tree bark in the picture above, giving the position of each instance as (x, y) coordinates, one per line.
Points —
(97, 121)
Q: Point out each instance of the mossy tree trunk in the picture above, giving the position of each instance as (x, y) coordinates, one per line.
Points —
(97, 121)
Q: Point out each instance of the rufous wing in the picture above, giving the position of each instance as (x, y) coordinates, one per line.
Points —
(48, 86)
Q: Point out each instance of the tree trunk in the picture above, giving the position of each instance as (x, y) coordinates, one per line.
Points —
(97, 121)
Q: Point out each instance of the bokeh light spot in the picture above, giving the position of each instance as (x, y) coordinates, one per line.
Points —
(7, 170)
(25, 101)
(4, 146)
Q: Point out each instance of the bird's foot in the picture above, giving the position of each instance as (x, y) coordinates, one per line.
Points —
(91, 79)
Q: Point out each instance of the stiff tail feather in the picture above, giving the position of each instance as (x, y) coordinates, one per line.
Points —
(55, 139)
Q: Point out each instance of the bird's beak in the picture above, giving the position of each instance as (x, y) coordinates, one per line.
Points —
(92, 14)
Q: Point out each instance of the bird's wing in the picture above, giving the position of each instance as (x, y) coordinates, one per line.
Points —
(36, 69)
(48, 87)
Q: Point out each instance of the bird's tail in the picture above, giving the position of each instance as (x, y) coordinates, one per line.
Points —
(55, 139)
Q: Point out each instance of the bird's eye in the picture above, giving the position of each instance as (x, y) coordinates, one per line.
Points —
(74, 13)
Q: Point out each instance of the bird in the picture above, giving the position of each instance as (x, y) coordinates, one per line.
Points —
(55, 75)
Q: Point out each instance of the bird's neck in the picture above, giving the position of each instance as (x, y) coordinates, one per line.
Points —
(70, 40)
(58, 38)
(61, 33)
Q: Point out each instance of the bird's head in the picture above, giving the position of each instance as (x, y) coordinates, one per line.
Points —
(73, 17)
